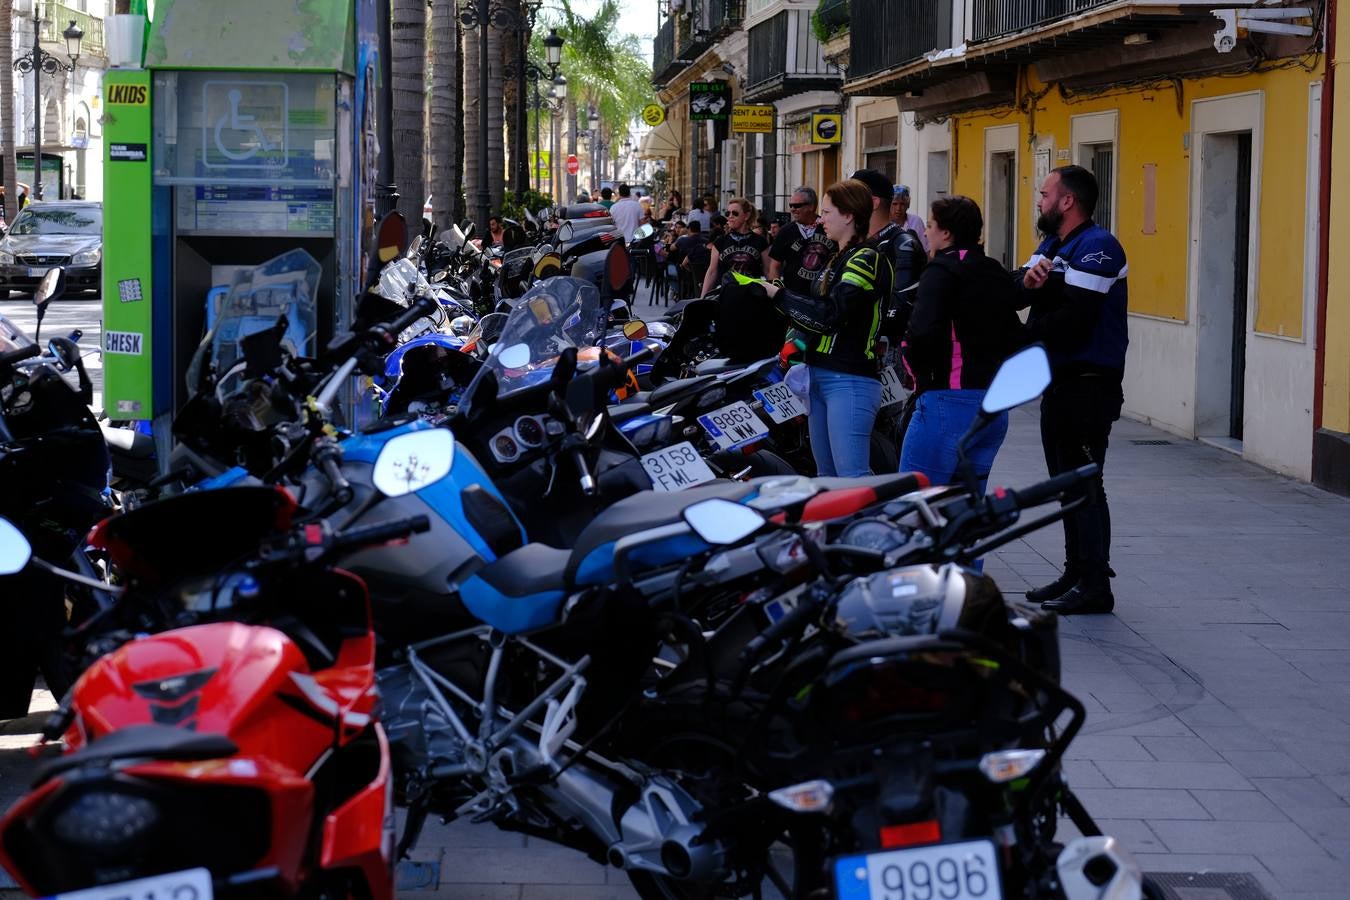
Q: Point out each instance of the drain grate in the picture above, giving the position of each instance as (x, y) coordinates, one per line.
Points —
(1208, 886)
(1151, 443)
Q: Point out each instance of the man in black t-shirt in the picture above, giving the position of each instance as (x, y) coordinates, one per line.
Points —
(801, 250)
(691, 251)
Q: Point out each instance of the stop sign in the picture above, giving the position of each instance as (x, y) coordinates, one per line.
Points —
(573, 165)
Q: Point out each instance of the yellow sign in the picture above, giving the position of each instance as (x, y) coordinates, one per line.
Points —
(752, 119)
(653, 114)
(129, 94)
(827, 128)
(543, 161)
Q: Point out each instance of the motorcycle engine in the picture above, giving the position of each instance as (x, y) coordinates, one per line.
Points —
(420, 737)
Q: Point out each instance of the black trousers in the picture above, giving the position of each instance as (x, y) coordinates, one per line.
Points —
(1076, 417)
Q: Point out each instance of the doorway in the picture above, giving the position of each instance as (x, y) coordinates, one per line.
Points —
(1223, 287)
(939, 178)
(1002, 202)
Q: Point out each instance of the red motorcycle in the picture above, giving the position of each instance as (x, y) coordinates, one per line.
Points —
(236, 752)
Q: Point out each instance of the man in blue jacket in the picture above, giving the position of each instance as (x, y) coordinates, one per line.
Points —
(1076, 287)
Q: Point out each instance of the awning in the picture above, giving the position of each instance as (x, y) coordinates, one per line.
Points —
(662, 142)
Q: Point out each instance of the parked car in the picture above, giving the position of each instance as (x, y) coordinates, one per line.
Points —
(44, 234)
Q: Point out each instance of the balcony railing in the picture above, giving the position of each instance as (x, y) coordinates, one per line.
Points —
(994, 18)
(56, 18)
(898, 32)
(663, 49)
(770, 60)
(725, 15)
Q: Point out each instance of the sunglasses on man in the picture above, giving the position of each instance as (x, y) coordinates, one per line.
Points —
(797, 205)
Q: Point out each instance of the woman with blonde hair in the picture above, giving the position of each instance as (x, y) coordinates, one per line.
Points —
(842, 317)
(739, 250)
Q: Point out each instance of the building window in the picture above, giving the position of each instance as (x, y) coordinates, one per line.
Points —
(1094, 148)
(1100, 159)
(880, 142)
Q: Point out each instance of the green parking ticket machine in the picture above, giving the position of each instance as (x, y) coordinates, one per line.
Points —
(249, 132)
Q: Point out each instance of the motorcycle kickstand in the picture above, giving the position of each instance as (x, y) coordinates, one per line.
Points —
(1078, 814)
(412, 829)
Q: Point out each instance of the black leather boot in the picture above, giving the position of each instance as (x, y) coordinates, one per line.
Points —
(1055, 589)
(1091, 596)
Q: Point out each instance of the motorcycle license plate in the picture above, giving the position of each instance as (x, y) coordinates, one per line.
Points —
(780, 403)
(676, 468)
(733, 425)
(190, 884)
(892, 391)
(965, 871)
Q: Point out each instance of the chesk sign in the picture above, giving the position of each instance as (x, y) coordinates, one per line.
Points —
(128, 94)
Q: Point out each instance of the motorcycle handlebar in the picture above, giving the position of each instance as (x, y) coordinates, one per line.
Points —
(793, 620)
(1053, 487)
(342, 488)
(356, 538)
(11, 357)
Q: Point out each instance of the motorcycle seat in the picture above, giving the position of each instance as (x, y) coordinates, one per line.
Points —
(674, 391)
(142, 741)
(520, 591)
(625, 411)
(886, 487)
(592, 557)
(715, 366)
(128, 442)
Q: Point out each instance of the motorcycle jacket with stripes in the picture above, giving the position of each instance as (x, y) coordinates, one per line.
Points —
(842, 312)
(1080, 312)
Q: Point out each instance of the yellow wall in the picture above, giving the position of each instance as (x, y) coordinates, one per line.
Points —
(1152, 130)
(1336, 378)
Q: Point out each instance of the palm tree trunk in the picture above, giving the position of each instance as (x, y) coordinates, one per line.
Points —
(444, 111)
(408, 63)
(473, 109)
(498, 42)
(457, 142)
(9, 164)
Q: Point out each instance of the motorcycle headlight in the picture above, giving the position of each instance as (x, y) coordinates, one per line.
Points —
(105, 819)
(87, 257)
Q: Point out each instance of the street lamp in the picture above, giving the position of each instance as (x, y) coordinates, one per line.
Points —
(559, 102)
(553, 45)
(39, 60)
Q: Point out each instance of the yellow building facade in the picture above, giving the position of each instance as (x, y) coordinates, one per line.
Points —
(1211, 185)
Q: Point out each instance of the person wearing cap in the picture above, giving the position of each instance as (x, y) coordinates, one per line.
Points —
(901, 215)
(906, 253)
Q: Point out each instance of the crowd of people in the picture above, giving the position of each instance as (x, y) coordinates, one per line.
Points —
(862, 282)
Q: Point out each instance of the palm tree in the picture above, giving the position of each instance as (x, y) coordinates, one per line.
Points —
(605, 70)
(499, 43)
(408, 64)
(444, 110)
(9, 164)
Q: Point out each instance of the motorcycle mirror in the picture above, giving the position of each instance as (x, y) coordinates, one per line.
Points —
(635, 330)
(391, 237)
(1022, 378)
(719, 521)
(52, 286)
(15, 551)
(468, 229)
(643, 231)
(460, 326)
(566, 231)
(516, 356)
(66, 351)
(412, 461)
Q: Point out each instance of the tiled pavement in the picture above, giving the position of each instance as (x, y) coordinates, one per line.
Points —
(1218, 734)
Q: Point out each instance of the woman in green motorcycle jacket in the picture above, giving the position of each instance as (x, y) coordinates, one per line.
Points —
(842, 317)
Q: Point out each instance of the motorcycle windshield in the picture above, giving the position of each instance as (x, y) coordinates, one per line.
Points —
(12, 336)
(284, 285)
(549, 318)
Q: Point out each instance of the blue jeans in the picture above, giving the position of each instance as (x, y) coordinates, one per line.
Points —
(940, 419)
(843, 411)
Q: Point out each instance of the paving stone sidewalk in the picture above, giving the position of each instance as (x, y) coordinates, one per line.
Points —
(1218, 733)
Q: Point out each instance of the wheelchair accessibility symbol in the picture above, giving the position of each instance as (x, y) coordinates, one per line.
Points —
(244, 124)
